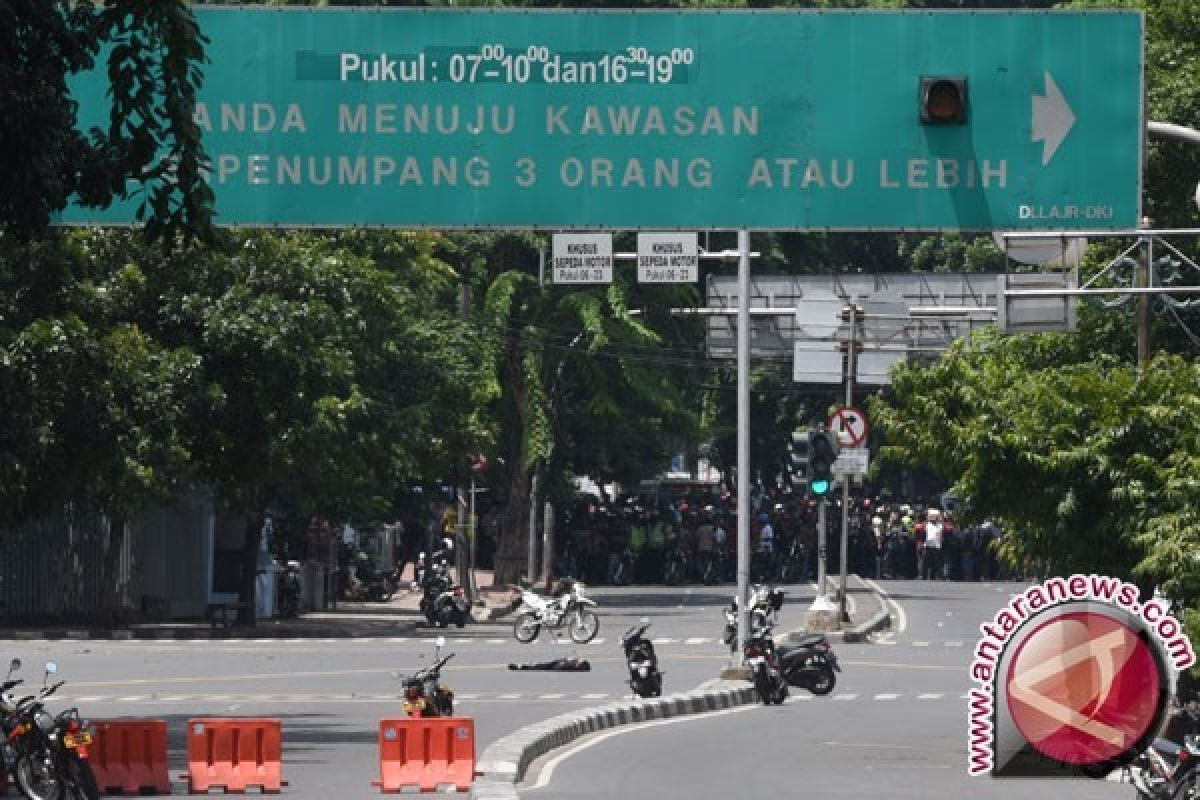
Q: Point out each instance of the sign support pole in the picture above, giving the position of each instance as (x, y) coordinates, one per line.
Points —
(743, 439)
(851, 369)
(820, 602)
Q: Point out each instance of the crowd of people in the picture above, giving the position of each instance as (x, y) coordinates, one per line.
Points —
(694, 539)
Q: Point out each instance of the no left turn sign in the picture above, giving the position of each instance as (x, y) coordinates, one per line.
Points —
(852, 422)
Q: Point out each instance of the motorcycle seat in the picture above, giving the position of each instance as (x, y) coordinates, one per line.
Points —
(804, 641)
(1167, 748)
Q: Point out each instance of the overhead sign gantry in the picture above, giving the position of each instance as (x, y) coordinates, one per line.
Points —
(661, 120)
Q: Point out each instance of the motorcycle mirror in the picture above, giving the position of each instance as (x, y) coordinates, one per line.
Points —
(14, 665)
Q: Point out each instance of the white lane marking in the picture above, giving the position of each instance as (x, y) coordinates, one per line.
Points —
(954, 644)
(133, 698)
(931, 696)
(556, 696)
(662, 640)
(594, 696)
(547, 772)
(397, 640)
(698, 640)
(463, 641)
(462, 696)
(899, 615)
(845, 697)
(94, 699)
(601, 640)
(920, 644)
(886, 696)
(516, 696)
(496, 641)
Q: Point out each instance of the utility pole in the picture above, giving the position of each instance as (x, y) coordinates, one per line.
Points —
(851, 372)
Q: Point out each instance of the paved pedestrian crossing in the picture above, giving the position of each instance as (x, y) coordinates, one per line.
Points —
(88, 701)
(599, 641)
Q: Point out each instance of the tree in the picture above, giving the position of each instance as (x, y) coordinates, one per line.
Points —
(154, 51)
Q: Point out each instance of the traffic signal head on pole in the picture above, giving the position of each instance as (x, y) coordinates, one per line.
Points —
(943, 100)
(822, 452)
(797, 466)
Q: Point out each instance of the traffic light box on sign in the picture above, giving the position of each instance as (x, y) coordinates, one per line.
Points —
(822, 452)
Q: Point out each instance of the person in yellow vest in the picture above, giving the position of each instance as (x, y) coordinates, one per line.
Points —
(656, 543)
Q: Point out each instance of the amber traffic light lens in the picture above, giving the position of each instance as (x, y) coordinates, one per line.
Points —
(943, 101)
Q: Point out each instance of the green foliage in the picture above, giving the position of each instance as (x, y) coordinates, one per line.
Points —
(1086, 462)
(153, 51)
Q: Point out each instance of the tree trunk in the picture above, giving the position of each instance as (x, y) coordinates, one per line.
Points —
(247, 593)
(112, 607)
(513, 541)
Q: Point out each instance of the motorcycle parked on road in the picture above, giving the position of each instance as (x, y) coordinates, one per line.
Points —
(644, 677)
(568, 607)
(765, 604)
(46, 754)
(424, 693)
(760, 656)
(810, 664)
(443, 602)
(290, 591)
(1170, 771)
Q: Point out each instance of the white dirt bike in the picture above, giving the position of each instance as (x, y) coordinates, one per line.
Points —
(568, 608)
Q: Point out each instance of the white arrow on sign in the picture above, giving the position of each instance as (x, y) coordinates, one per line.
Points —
(1052, 119)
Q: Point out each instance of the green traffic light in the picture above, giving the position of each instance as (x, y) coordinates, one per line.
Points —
(819, 487)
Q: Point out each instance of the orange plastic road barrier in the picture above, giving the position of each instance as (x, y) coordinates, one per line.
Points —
(234, 753)
(427, 753)
(129, 756)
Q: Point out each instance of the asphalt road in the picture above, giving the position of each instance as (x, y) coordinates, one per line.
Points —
(331, 694)
(895, 726)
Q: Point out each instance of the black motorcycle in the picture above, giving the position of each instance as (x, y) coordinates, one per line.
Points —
(443, 602)
(644, 677)
(810, 664)
(424, 693)
(46, 754)
(290, 591)
(760, 656)
(1170, 771)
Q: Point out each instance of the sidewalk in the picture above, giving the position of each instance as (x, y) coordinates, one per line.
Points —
(398, 617)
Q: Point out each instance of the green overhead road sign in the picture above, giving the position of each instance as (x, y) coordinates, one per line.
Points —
(668, 119)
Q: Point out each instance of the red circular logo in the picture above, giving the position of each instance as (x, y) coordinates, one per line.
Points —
(1083, 688)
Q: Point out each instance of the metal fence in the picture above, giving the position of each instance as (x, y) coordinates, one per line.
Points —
(52, 569)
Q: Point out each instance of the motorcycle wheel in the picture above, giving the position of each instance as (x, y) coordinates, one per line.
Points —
(656, 684)
(781, 692)
(1185, 791)
(81, 780)
(526, 628)
(583, 626)
(461, 619)
(824, 682)
(36, 779)
(762, 685)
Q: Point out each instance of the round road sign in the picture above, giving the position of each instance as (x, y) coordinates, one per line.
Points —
(851, 422)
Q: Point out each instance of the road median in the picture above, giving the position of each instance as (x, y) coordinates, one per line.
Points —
(504, 763)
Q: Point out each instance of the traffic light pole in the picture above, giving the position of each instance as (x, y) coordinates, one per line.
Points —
(851, 371)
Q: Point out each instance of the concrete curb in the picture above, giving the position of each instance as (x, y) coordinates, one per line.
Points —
(502, 765)
(878, 621)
